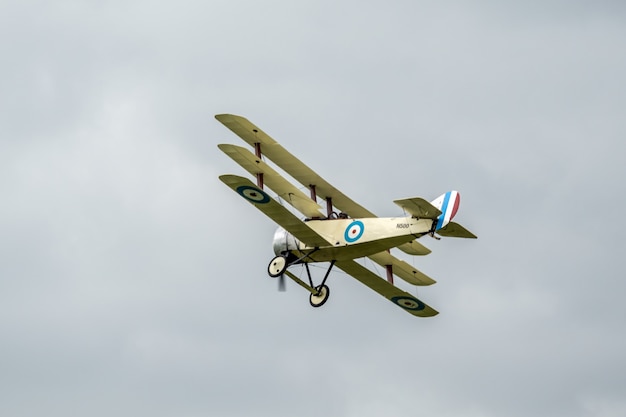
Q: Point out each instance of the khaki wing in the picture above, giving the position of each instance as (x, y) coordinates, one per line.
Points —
(251, 134)
(402, 269)
(245, 129)
(394, 294)
(285, 190)
(271, 208)
(414, 248)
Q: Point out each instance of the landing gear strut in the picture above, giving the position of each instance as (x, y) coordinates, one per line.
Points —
(320, 293)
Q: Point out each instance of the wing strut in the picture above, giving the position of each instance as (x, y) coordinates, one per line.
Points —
(313, 288)
(389, 269)
(257, 151)
(329, 201)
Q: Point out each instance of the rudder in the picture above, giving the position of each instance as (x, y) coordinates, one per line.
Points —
(448, 204)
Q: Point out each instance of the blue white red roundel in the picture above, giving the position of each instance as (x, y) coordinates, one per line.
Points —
(354, 231)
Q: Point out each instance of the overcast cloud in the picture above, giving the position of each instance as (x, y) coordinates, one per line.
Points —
(132, 281)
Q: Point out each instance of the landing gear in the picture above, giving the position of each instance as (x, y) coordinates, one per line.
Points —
(277, 266)
(318, 299)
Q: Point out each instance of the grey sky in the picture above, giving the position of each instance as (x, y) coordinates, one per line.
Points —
(132, 281)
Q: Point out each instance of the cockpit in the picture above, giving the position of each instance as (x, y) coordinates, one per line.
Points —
(333, 216)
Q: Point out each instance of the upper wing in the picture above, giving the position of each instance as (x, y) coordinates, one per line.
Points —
(245, 188)
(251, 134)
(401, 298)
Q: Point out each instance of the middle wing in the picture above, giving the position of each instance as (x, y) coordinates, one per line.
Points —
(402, 269)
(245, 188)
(281, 186)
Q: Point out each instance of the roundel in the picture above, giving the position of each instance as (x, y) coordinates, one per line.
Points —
(408, 303)
(354, 231)
(253, 194)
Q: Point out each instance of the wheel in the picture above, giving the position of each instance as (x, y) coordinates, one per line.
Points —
(318, 300)
(277, 266)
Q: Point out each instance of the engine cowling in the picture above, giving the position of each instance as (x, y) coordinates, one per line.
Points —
(284, 242)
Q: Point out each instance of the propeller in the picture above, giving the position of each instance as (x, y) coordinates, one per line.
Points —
(281, 283)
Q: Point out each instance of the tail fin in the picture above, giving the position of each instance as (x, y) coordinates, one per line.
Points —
(442, 209)
(448, 204)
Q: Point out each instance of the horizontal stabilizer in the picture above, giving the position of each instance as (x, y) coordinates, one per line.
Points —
(456, 230)
(419, 208)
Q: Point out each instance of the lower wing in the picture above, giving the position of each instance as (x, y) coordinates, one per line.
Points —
(394, 294)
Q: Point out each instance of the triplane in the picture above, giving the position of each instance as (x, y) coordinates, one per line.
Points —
(338, 238)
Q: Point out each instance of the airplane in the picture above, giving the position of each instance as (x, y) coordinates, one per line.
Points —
(338, 238)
